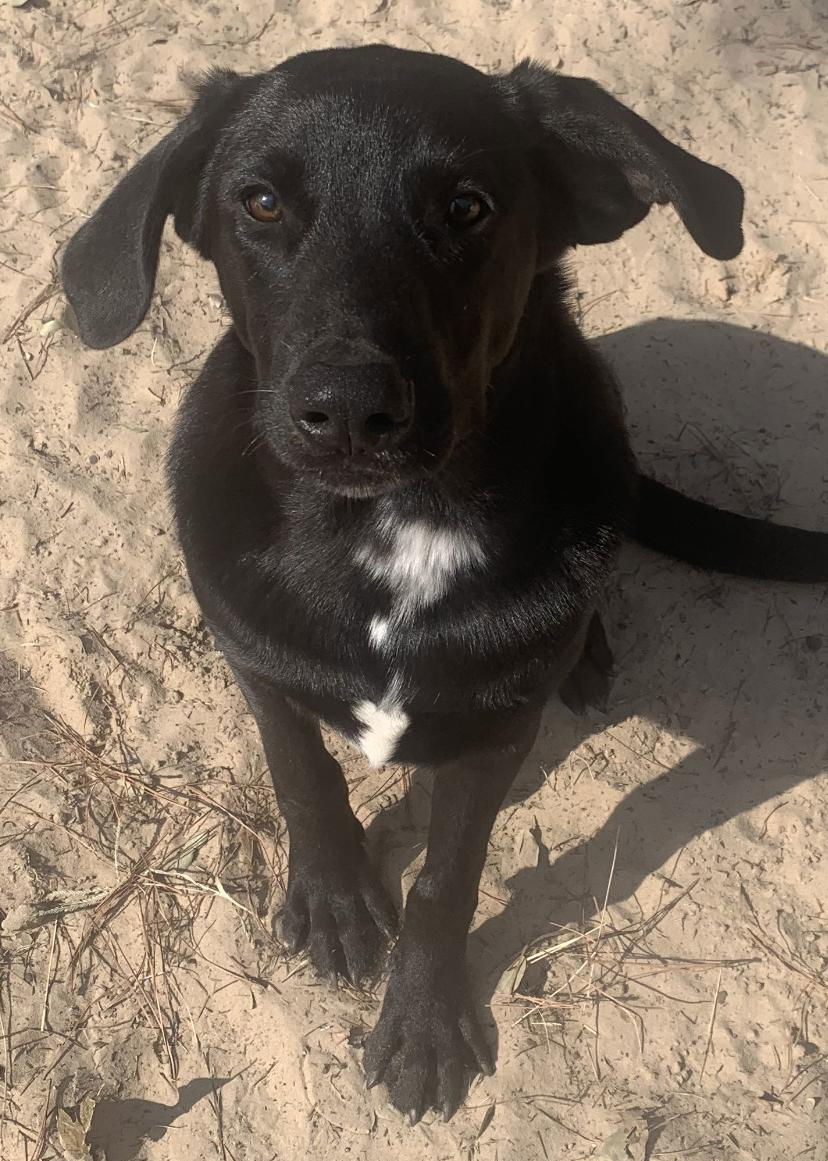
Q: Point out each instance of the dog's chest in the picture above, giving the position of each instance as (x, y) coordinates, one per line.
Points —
(417, 563)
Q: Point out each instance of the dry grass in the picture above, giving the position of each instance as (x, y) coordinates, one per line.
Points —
(168, 851)
(626, 965)
(603, 963)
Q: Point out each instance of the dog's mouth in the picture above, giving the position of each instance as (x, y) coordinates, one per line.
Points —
(362, 478)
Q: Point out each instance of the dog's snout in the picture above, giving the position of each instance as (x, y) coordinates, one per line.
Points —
(353, 409)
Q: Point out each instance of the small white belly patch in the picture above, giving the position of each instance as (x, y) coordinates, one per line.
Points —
(384, 725)
(417, 561)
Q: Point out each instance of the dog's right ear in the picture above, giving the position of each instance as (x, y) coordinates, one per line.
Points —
(108, 268)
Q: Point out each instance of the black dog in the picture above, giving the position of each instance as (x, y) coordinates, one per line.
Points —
(403, 476)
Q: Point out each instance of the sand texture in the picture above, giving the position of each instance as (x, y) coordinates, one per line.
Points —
(663, 862)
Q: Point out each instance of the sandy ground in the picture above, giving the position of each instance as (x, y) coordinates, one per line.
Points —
(678, 840)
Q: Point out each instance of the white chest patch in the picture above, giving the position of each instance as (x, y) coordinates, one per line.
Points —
(419, 563)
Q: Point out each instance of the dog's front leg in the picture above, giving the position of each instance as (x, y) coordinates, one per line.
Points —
(336, 907)
(427, 1036)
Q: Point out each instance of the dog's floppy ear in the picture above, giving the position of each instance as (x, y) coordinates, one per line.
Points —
(108, 268)
(612, 165)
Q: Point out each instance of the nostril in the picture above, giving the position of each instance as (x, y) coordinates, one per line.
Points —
(315, 418)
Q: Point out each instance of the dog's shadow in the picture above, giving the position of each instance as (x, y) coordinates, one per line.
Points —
(737, 667)
(120, 1129)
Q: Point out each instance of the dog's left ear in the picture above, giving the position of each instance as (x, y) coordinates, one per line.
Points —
(612, 166)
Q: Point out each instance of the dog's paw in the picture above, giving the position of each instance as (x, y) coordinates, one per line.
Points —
(340, 914)
(425, 1045)
(590, 682)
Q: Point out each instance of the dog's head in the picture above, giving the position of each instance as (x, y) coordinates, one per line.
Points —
(377, 218)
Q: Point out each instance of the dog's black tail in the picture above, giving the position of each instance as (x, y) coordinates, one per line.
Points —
(709, 537)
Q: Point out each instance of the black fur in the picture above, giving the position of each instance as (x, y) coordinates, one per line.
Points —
(460, 394)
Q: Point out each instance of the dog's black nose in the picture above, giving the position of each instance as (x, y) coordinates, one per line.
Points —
(352, 410)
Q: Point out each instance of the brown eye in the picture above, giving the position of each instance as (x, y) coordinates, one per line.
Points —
(263, 205)
(466, 209)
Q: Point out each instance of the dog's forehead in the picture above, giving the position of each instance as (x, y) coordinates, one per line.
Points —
(377, 94)
(396, 75)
